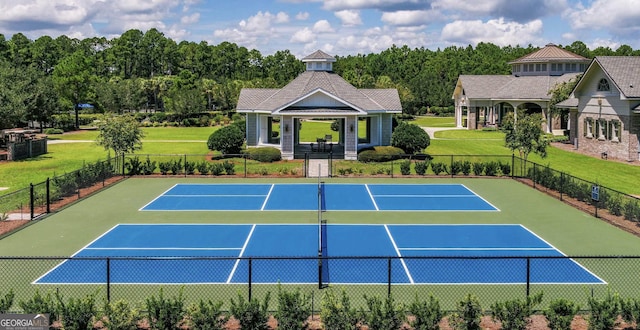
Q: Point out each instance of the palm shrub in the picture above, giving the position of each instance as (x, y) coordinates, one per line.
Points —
(149, 166)
(134, 166)
(560, 314)
(426, 314)
(165, 313)
(294, 309)
(176, 166)
(382, 315)
(207, 315)
(468, 314)
(505, 168)
(478, 168)
(229, 167)
(251, 314)
(217, 169)
(466, 167)
(336, 311)
(189, 167)
(164, 167)
(421, 167)
(515, 314)
(438, 168)
(203, 167)
(456, 167)
(491, 168)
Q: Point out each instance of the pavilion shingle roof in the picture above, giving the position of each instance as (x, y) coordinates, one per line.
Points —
(506, 87)
(551, 53)
(315, 81)
(319, 55)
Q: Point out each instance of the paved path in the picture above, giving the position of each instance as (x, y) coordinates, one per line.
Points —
(431, 130)
(318, 167)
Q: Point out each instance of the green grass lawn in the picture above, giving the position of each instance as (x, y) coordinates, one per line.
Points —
(431, 121)
(70, 156)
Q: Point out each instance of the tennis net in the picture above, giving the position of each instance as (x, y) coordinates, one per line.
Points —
(323, 261)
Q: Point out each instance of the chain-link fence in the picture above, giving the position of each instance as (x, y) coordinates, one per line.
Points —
(490, 278)
(39, 198)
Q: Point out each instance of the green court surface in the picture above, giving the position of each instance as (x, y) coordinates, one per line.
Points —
(571, 231)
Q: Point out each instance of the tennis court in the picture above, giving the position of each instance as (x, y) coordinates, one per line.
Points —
(288, 254)
(305, 197)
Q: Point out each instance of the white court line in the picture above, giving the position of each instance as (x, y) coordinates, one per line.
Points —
(486, 201)
(165, 248)
(577, 263)
(478, 249)
(73, 255)
(215, 195)
(371, 196)
(153, 200)
(266, 199)
(395, 247)
(428, 196)
(235, 266)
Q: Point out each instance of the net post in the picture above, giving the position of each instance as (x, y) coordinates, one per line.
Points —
(320, 286)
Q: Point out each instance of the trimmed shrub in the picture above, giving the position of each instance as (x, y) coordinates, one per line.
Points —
(604, 312)
(560, 313)
(505, 168)
(6, 302)
(491, 168)
(203, 167)
(410, 137)
(76, 313)
(380, 154)
(421, 167)
(264, 154)
(217, 169)
(120, 315)
(466, 167)
(294, 309)
(336, 312)
(52, 131)
(251, 314)
(468, 314)
(438, 168)
(207, 315)
(382, 315)
(405, 167)
(165, 313)
(227, 140)
(149, 166)
(426, 314)
(478, 168)
(40, 304)
(515, 314)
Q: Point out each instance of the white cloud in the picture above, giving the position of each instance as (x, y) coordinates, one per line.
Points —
(46, 13)
(303, 36)
(302, 16)
(497, 31)
(190, 19)
(408, 17)
(618, 16)
(281, 17)
(384, 5)
(349, 17)
(322, 26)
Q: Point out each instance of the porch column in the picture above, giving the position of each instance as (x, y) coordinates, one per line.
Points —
(458, 110)
(351, 138)
(286, 137)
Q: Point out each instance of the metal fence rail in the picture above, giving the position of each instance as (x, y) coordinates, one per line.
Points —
(28, 275)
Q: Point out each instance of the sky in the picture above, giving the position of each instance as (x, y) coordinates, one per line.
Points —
(338, 27)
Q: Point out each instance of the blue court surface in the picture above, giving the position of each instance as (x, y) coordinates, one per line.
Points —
(221, 253)
(305, 197)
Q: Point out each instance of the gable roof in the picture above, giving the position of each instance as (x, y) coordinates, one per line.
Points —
(551, 53)
(319, 55)
(507, 87)
(624, 72)
(310, 82)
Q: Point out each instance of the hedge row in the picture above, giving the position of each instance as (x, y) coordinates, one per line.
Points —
(294, 308)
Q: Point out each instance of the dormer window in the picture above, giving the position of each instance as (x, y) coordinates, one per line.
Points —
(603, 85)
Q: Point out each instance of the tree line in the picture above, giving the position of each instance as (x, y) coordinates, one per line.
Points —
(147, 70)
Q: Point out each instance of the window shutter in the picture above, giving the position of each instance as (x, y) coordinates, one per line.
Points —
(609, 129)
(619, 131)
(584, 132)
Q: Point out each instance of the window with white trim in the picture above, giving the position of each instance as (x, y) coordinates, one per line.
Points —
(615, 131)
(588, 127)
(601, 128)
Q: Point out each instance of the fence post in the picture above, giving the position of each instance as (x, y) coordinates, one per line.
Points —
(330, 164)
(392, 161)
(48, 195)
(245, 164)
(528, 274)
(250, 279)
(108, 279)
(123, 174)
(451, 167)
(561, 184)
(389, 277)
(513, 165)
(185, 165)
(31, 201)
(535, 175)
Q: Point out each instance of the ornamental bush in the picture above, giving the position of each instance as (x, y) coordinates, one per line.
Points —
(380, 154)
(410, 138)
(227, 140)
(265, 154)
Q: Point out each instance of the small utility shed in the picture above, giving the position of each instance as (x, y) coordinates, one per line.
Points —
(319, 93)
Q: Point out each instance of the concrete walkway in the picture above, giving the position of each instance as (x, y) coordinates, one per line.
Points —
(318, 167)
(431, 130)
